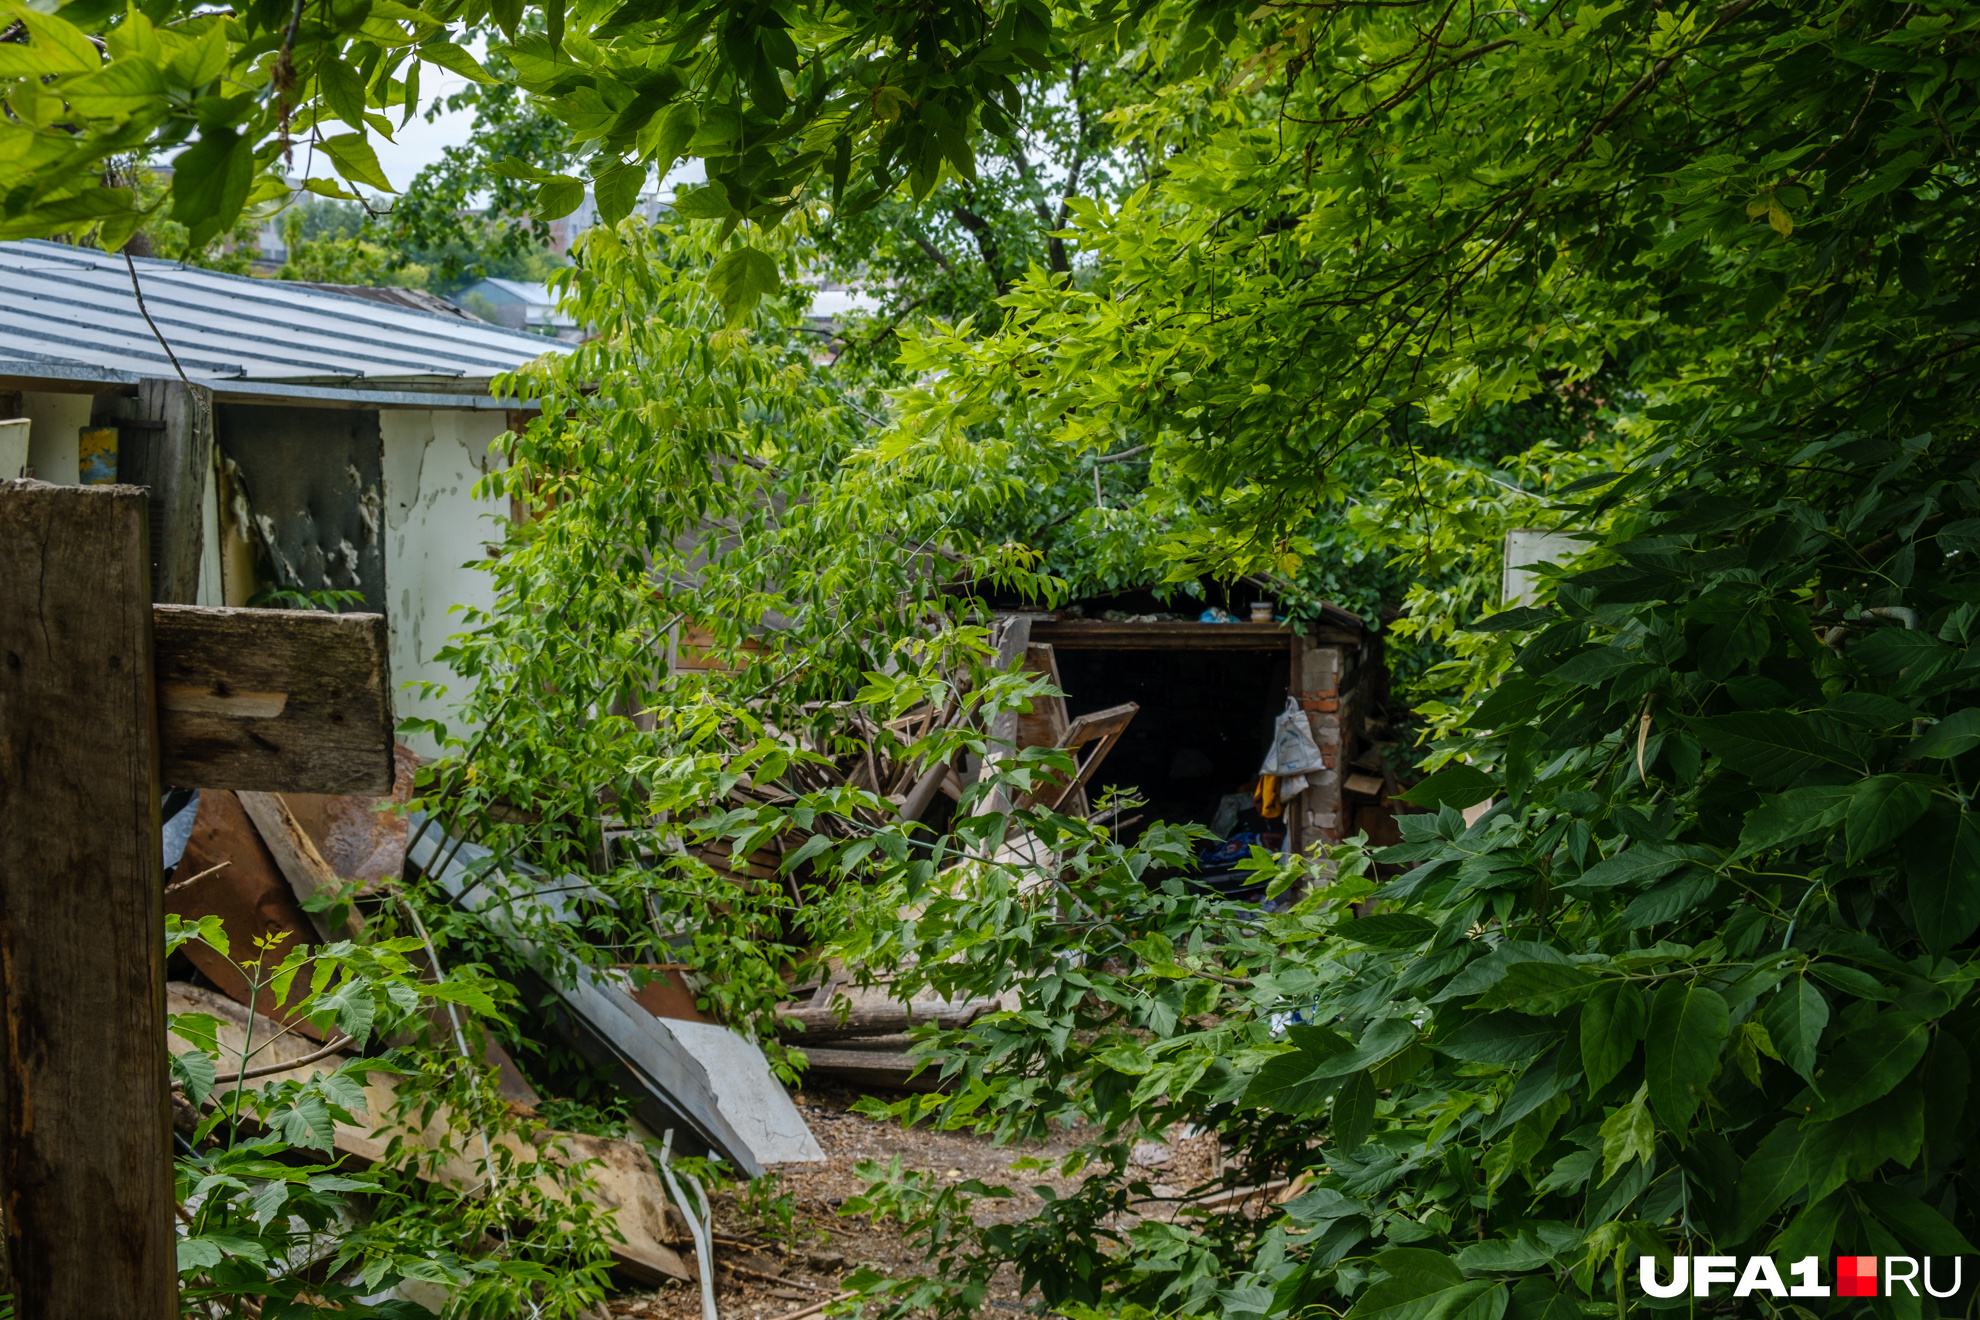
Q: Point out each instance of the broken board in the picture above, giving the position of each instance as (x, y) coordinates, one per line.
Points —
(622, 1174)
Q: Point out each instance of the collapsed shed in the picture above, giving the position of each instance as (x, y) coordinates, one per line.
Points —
(1182, 712)
(1207, 697)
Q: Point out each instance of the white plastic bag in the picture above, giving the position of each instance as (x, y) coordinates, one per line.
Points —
(1293, 751)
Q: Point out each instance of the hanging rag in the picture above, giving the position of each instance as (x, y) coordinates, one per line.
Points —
(1267, 794)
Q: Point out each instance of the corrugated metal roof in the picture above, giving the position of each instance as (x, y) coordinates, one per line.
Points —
(68, 311)
(417, 299)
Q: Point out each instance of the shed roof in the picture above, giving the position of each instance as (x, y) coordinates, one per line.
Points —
(69, 313)
(522, 291)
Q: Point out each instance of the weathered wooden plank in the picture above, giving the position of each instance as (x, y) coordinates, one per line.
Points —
(1098, 635)
(178, 457)
(875, 1068)
(229, 873)
(799, 1024)
(285, 701)
(1045, 723)
(85, 1165)
(301, 865)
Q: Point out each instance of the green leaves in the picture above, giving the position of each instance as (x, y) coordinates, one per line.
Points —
(1456, 785)
(1299, 1082)
(1957, 733)
(558, 196)
(1629, 1134)
(1293, 1083)
(1612, 1022)
(54, 46)
(1505, 1038)
(1870, 1060)
(1942, 876)
(1426, 1285)
(1794, 816)
(343, 91)
(210, 182)
(1795, 1019)
(122, 88)
(1637, 866)
(740, 279)
(1354, 1112)
(1774, 748)
(1777, 1171)
(708, 202)
(1688, 1029)
(1539, 987)
(1881, 809)
(1916, 1224)
(617, 188)
(1522, 617)
(1389, 928)
(438, 50)
(355, 160)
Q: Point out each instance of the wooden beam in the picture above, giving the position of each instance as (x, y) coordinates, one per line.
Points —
(168, 447)
(839, 1021)
(1099, 635)
(875, 1068)
(1103, 727)
(85, 1109)
(286, 701)
(301, 865)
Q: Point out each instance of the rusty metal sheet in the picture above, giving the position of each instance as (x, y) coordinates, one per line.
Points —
(227, 872)
(358, 840)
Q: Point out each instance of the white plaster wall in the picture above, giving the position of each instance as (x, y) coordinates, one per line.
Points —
(52, 444)
(211, 589)
(436, 536)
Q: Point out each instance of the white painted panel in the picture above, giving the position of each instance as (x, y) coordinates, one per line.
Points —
(750, 1096)
(1529, 546)
(436, 540)
(14, 447)
(53, 451)
(212, 590)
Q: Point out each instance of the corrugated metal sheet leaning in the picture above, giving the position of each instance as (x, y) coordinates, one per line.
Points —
(716, 1081)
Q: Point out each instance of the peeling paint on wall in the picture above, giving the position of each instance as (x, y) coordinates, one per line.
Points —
(311, 473)
(436, 533)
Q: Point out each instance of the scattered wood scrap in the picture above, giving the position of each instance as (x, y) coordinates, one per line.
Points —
(621, 1174)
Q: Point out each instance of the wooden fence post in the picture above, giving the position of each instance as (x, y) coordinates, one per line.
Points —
(173, 458)
(85, 1117)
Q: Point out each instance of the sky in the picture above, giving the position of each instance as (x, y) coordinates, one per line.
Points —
(420, 143)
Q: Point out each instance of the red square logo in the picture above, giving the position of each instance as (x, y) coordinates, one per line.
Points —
(1856, 1276)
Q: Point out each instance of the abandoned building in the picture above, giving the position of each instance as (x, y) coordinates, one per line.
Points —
(346, 436)
(1208, 696)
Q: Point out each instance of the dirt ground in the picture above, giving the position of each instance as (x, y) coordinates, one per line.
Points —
(783, 1275)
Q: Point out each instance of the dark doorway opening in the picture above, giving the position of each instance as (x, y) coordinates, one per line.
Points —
(1203, 729)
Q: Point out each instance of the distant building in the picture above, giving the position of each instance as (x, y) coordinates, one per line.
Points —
(519, 305)
(565, 229)
(831, 303)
